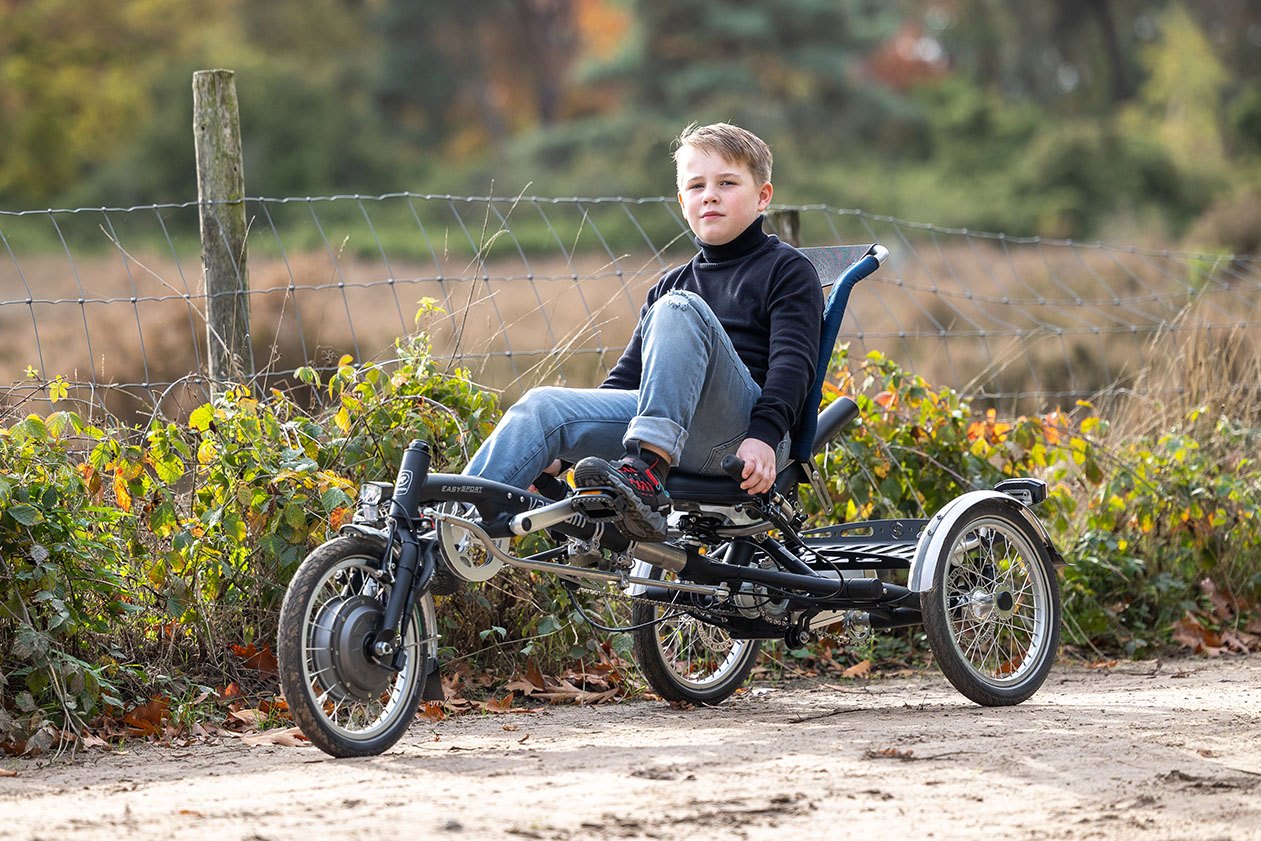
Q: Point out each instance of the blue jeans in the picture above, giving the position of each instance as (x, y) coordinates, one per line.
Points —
(693, 403)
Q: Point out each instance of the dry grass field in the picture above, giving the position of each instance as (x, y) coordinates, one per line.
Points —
(1025, 324)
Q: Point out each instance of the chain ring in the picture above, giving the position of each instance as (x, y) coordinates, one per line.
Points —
(464, 554)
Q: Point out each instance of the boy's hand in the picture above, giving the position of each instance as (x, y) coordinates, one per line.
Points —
(759, 465)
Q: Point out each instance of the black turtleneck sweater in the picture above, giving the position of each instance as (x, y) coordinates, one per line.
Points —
(767, 297)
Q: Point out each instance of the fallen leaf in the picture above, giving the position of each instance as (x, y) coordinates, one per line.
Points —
(502, 705)
(525, 687)
(1189, 633)
(5, 772)
(146, 719)
(890, 753)
(1222, 605)
(861, 669)
(249, 717)
(433, 711)
(534, 675)
(511, 727)
(1102, 664)
(260, 659)
(289, 737)
(90, 740)
(521, 741)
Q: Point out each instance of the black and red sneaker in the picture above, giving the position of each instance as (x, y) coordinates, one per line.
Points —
(638, 482)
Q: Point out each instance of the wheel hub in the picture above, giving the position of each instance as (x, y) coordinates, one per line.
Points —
(984, 605)
(340, 643)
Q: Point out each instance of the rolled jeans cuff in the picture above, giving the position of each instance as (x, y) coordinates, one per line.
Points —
(661, 433)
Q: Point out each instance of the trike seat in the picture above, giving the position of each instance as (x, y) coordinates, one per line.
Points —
(838, 266)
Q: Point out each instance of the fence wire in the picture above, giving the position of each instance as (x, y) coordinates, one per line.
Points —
(526, 290)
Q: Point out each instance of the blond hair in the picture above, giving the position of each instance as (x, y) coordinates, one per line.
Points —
(732, 143)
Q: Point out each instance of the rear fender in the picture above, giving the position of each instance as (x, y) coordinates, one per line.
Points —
(932, 542)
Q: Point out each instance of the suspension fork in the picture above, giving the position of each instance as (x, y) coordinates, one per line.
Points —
(416, 561)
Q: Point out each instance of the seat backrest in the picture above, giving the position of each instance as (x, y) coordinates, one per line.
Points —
(841, 267)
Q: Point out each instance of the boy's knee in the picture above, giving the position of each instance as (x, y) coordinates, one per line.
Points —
(680, 302)
(537, 402)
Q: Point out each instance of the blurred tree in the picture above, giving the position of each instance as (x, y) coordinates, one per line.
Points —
(796, 61)
(73, 84)
(464, 76)
(1181, 97)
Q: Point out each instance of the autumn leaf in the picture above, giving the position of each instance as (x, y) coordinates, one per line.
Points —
(146, 719)
(502, 705)
(535, 675)
(1222, 606)
(250, 718)
(339, 517)
(890, 753)
(433, 711)
(860, 669)
(260, 659)
(288, 737)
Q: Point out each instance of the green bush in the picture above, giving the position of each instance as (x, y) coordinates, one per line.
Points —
(1142, 520)
(129, 556)
(1172, 511)
(64, 559)
(136, 559)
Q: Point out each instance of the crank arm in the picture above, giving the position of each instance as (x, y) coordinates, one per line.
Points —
(718, 591)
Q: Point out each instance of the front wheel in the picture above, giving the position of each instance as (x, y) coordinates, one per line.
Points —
(992, 615)
(346, 702)
(685, 659)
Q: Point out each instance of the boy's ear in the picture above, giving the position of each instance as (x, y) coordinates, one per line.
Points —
(763, 196)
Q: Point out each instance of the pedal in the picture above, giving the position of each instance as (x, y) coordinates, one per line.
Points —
(596, 503)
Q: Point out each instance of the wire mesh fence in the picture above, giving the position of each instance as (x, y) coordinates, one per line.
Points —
(526, 290)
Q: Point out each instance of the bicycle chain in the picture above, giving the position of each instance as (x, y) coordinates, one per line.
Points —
(734, 612)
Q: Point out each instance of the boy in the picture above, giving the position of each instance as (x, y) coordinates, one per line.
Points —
(720, 361)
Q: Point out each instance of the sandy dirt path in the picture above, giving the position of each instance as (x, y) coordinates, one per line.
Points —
(1146, 750)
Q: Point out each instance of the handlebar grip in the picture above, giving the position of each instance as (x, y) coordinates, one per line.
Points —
(733, 466)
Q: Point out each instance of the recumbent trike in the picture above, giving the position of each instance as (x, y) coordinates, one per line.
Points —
(358, 637)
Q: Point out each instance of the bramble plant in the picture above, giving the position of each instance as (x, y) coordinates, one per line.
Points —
(138, 558)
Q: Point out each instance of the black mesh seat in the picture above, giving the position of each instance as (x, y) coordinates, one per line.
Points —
(841, 267)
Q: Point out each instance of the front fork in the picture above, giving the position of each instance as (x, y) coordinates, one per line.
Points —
(417, 558)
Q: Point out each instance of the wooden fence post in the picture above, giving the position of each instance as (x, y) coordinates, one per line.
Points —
(220, 197)
(785, 224)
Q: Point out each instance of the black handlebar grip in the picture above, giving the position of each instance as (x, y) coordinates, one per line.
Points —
(733, 466)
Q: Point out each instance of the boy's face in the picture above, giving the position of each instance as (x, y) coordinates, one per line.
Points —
(719, 198)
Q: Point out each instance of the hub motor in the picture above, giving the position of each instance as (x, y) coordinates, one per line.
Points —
(340, 640)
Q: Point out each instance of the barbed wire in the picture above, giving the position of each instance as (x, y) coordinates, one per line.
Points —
(533, 289)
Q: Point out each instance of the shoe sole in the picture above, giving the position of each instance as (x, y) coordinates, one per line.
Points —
(638, 521)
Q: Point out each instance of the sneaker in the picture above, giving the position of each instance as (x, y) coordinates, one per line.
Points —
(637, 482)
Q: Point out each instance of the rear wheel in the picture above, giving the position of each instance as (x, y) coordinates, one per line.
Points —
(992, 615)
(346, 702)
(685, 659)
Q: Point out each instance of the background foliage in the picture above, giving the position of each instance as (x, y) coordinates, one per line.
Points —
(1071, 118)
(135, 560)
